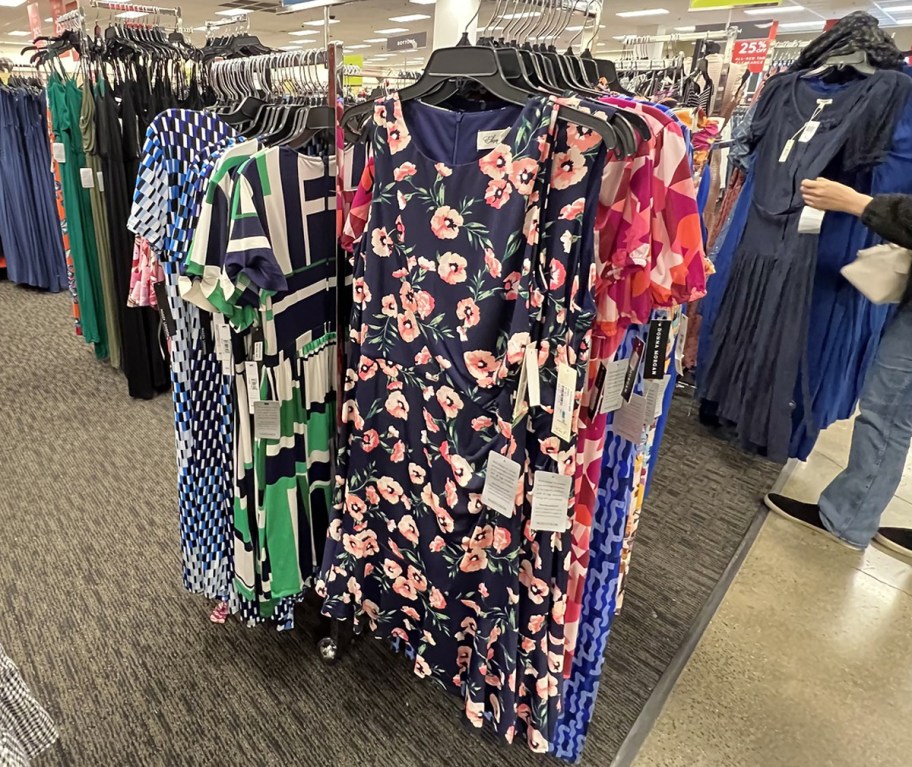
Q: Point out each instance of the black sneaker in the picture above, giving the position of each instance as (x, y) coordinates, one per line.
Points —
(897, 540)
(807, 514)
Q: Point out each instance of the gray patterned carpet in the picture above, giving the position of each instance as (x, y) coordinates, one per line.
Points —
(92, 610)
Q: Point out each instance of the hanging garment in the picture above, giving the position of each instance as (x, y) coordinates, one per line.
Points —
(760, 334)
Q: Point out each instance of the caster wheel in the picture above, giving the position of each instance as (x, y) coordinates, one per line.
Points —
(329, 650)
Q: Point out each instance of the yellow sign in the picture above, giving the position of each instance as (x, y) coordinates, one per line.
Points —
(353, 81)
(721, 5)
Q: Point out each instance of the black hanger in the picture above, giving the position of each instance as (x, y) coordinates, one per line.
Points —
(857, 60)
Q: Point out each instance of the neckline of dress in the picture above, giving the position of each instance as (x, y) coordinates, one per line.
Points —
(509, 139)
(854, 93)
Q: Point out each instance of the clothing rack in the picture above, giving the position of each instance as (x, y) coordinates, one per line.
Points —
(283, 73)
(153, 10)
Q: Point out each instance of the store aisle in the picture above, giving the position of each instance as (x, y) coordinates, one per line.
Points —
(807, 661)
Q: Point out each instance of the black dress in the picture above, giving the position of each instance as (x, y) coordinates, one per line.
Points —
(757, 359)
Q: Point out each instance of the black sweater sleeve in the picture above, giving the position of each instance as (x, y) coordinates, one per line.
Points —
(890, 216)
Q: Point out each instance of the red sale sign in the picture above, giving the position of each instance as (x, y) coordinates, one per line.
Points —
(750, 52)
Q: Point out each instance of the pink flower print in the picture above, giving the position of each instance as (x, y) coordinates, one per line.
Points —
(569, 168)
(473, 561)
(408, 326)
(391, 569)
(425, 303)
(427, 264)
(445, 223)
(467, 311)
(497, 163)
(371, 610)
(531, 226)
(450, 401)
(511, 283)
(516, 347)
(380, 114)
(354, 588)
(388, 306)
(482, 537)
(475, 504)
(462, 470)
(437, 600)
(437, 545)
(398, 454)
(390, 369)
(369, 440)
(582, 138)
(546, 687)
(362, 291)
(550, 446)
(528, 645)
(567, 239)
(416, 474)
(452, 498)
(400, 633)
(400, 233)
(418, 578)
(463, 657)
(422, 669)
(443, 170)
(362, 545)
(474, 712)
(543, 351)
(430, 423)
(444, 363)
(559, 610)
(355, 507)
(397, 110)
(537, 589)
(367, 368)
(482, 366)
(402, 200)
(404, 588)
(400, 273)
(408, 528)
(397, 406)
(523, 175)
(372, 496)
(407, 297)
(536, 623)
(389, 489)
(501, 538)
(423, 357)
(558, 275)
(536, 298)
(381, 242)
(404, 171)
(574, 210)
(498, 193)
(398, 136)
(492, 264)
(350, 414)
(543, 148)
(481, 423)
(452, 268)
(411, 612)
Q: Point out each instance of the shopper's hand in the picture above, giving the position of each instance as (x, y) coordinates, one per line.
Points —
(823, 194)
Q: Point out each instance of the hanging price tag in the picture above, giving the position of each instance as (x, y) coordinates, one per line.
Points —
(809, 131)
(613, 392)
(87, 178)
(550, 501)
(533, 375)
(520, 408)
(787, 150)
(656, 349)
(252, 374)
(99, 177)
(222, 338)
(267, 420)
(501, 476)
(564, 401)
(58, 149)
(811, 221)
(630, 421)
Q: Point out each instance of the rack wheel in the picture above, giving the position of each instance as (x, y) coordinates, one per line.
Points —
(329, 650)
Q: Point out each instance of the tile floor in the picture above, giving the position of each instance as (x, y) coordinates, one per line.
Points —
(808, 662)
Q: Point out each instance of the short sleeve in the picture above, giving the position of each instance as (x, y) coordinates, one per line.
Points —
(150, 212)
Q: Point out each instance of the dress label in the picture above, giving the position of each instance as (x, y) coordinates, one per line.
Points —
(551, 501)
(501, 476)
(613, 392)
(564, 401)
(99, 179)
(58, 149)
(810, 129)
(258, 351)
(87, 178)
(520, 408)
(633, 368)
(222, 338)
(787, 150)
(656, 349)
(164, 309)
(267, 421)
(630, 421)
(488, 139)
(811, 220)
(252, 374)
(533, 375)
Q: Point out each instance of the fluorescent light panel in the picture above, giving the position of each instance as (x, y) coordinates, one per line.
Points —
(11, 3)
(306, 5)
(356, 47)
(303, 32)
(644, 12)
(375, 40)
(234, 12)
(774, 11)
(802, 25)
(319, 22)
(409, 17)
(897, 9)
(686, 29)
(903, 22)
(423, 2)
(390, 31)
(19, 33)
(125, 15)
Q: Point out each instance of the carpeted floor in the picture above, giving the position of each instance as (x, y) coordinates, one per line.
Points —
(92, 609)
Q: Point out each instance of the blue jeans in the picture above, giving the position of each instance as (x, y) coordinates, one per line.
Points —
(851, 506)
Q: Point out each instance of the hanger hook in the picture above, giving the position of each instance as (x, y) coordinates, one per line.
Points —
(579, 35)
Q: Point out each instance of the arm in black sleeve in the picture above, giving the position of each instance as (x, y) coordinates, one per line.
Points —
(890, 216)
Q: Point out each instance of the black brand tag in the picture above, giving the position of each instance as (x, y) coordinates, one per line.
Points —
(633, 368)
(164, 309)
(599, 390)
(657, 350)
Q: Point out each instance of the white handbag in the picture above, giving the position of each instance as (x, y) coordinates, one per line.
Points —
(880, 273)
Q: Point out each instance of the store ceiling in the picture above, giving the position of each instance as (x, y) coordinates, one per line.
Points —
(362, 23)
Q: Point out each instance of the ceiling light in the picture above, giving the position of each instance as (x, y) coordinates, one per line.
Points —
(234, 12)
(306, 5)
(903, 22)
(319, 22)
(777, 9)
(302, 32)
(384, 56)
(11, 3)
(356, 47)
(124, 15)
(574, 29)
(423, 2)
(19, 33)
(686, 29)
(391, 30)
(897, 8)
(375, 40)
(409, 17)
(644, 12)
(803, 25)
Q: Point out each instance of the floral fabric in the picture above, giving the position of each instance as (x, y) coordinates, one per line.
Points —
(462, 265)
(146, 271)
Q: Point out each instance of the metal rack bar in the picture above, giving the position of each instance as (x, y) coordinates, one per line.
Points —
(150, 9)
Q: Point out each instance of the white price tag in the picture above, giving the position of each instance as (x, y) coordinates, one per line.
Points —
(501, 476)
(252, 374)
(533, 375)
(222, 338)
(551, 501)
(811, 220)
(810, 129)
(630, 421)
(655, 398)
(613, 392)
(58, 149)
(787, 150)
(267, 420)
(258, 351)
(564, 401)
(87, 178)
(681, 344)
(99, 177)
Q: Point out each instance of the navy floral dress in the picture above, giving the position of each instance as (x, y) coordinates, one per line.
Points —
(468, 257)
